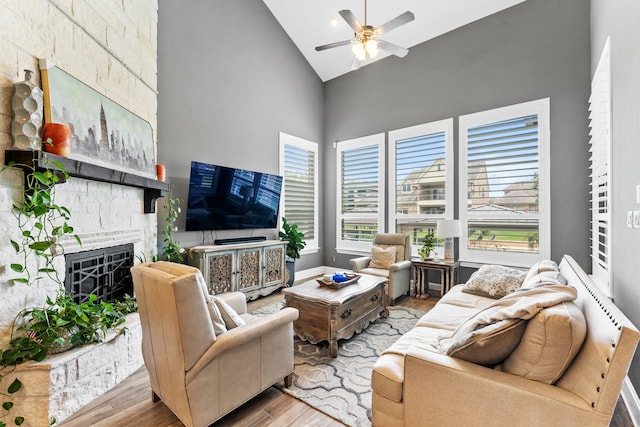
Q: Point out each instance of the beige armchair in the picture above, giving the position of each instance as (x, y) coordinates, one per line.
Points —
(198, 375)
(399, 272)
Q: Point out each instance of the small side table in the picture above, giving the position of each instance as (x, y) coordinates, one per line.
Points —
(448, 276)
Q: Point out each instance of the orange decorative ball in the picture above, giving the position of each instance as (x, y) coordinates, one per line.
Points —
(60, 139)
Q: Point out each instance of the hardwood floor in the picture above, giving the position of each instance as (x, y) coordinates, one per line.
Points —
(129, 404)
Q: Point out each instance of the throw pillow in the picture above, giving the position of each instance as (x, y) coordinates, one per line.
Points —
(541, 267)
(491, 344)
(382, 257)
(545, 278)
(494, 281)
(216, 317)
(549, 344)
(229, 316)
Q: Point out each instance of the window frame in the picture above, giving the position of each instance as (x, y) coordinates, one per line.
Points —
(541, 107)
(424, 129)
(359, 247)
(312, 245)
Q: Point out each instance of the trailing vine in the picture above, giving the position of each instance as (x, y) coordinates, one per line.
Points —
(60, 323)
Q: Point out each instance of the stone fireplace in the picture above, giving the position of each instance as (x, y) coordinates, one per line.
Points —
(111, 47)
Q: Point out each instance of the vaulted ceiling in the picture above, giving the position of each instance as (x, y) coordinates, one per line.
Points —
(309, 24)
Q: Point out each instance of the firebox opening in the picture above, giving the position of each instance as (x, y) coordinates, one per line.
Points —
(103, 272)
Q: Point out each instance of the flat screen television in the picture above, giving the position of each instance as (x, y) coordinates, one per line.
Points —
(224, 198)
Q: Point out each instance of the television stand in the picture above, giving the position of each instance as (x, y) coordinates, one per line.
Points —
(254, 268)
(233, 241)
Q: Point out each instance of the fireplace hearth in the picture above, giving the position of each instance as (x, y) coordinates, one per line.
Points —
(103, 272)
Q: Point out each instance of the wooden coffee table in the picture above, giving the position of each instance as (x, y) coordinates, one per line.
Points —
(328, 314)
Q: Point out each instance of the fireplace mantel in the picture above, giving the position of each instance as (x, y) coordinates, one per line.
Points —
(152, 187)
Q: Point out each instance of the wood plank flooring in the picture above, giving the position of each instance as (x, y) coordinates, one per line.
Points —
(129, 404)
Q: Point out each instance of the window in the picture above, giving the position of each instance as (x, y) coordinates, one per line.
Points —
(360, 192)
(600, 116)
(421, 159)
(504, 168)
(299, 167)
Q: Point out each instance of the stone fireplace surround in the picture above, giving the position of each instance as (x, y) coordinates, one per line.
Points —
(62, 384)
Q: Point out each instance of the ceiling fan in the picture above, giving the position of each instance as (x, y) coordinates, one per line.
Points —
(366, 42)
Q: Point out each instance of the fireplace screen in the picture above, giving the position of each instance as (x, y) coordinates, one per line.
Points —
(103, 272)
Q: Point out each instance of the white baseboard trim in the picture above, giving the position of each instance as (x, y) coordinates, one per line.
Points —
(632, 401)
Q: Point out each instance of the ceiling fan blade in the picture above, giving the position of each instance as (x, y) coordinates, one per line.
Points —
(348, 16)
(332, 45)
(395, 23)
(393, 48)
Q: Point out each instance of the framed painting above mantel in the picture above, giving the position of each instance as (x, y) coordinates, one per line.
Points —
(103, 133)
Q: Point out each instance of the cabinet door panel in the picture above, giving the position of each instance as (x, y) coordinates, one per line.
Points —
(248, 269)
(220, 275)
(273, 264)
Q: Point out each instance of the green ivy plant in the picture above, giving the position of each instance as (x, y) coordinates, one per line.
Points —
(41, 221)
(293, 237)
(37, 331)
(172, 249)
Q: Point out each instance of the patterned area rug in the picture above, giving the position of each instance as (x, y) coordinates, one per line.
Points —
(341, 387)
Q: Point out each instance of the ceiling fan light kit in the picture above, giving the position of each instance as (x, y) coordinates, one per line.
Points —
(366, 42)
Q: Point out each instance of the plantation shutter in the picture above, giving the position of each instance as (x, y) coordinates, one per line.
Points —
(360, 192)
(299, 187)
(503, 184)
(510, 148)
(600, 148)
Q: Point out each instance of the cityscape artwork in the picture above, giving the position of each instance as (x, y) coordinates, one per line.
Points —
(104, 133)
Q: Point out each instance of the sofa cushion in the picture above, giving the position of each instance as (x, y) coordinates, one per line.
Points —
(544, 279)
(550, 341)
(494, 281)
(382, 257)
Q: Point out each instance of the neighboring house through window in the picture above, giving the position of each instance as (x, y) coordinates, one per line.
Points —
(504, 164)
(421, 160)
(299, 202)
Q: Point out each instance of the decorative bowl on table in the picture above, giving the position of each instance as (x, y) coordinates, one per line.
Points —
(340, 280)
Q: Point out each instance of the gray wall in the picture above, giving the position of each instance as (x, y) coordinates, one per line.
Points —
(229, 80)
(620, 20)
(537, 49)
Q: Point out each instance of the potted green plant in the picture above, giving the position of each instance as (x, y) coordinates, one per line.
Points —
(172, 249)
(427, 245)
(295, 244)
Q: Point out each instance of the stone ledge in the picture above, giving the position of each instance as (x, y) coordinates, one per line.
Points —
(62, 384)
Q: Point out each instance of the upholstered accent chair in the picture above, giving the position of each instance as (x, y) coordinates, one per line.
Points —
(396, 267)
(200, 375)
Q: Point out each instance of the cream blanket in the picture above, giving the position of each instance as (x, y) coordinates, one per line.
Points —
(522, 304)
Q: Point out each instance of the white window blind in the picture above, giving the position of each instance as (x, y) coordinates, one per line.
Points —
(503, 181)
(600, 148)
(299, 167)
(360, 181)
(422, 173)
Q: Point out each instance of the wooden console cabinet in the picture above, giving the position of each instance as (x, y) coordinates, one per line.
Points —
(256, 268)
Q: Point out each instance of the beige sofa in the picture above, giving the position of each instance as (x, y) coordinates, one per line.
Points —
(198, 374)
(415, 384)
